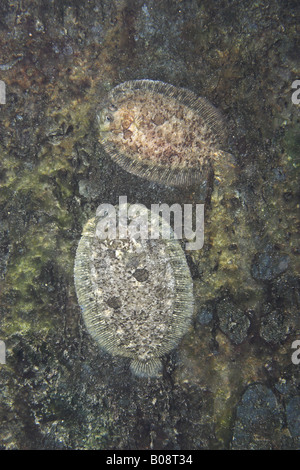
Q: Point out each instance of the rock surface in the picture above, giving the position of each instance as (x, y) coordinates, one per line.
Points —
(231, 383)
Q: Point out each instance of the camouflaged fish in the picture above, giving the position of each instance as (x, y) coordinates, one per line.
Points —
(136, 295)
(160, 132)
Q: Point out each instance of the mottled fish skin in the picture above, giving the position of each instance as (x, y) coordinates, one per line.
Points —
(136, 296)
(161, 132)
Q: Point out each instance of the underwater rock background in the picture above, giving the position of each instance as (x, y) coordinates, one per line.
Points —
(231, 383)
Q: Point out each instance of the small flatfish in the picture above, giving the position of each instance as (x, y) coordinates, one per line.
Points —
(160, 132)
(136, 295)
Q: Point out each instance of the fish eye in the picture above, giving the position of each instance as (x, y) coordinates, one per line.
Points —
(109, 118)
(112, 107)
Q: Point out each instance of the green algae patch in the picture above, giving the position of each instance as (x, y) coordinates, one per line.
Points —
(292, 144)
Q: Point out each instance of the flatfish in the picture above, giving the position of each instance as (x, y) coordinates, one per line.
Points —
(136, 295)
(160, 132)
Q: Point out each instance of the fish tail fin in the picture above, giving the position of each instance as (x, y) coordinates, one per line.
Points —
(149, 368)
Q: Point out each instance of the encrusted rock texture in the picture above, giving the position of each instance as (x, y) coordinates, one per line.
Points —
(231, 383)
